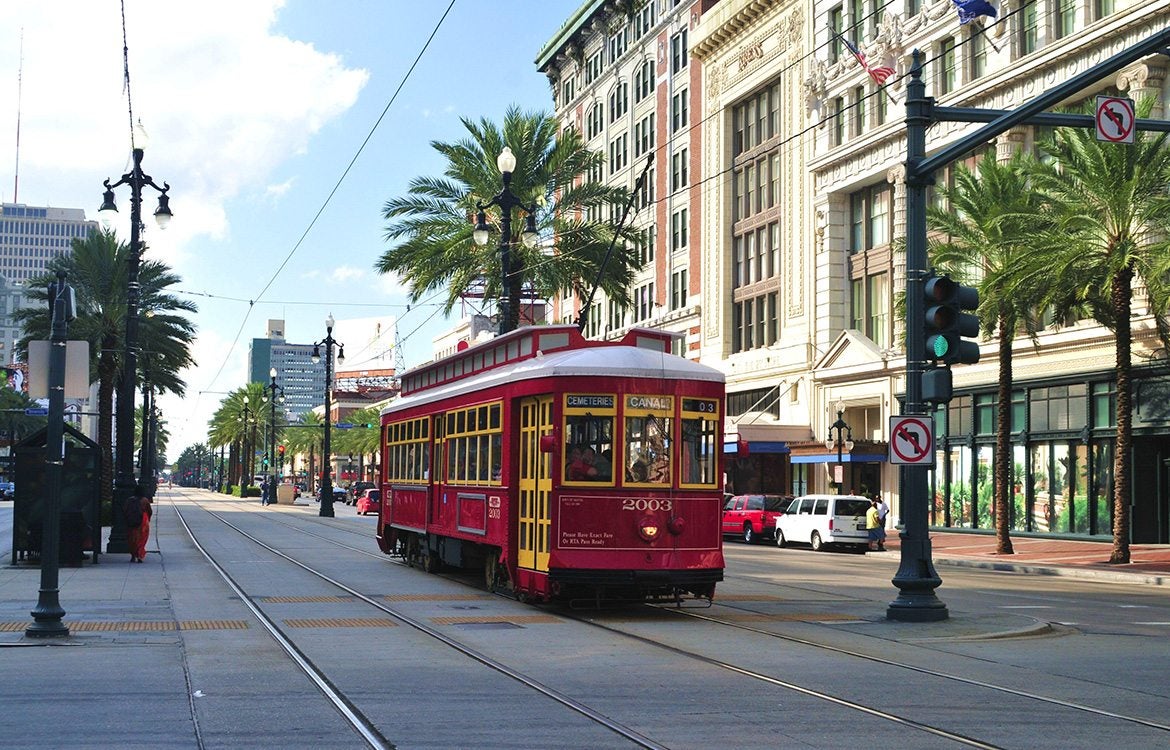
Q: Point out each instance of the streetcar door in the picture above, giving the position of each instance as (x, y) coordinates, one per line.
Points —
(535, 485)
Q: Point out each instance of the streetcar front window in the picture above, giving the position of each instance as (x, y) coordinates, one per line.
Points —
(648, 443)
(589, 441)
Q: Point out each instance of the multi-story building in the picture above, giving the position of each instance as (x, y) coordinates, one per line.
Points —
(30, 237)
(622, 75)
(795, 269)
(303, 380)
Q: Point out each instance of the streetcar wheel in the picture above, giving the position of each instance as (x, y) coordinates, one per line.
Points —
(430, 562)
(816, 542)
(411, 553)
(780, 540)
(749, 535)
(489, 572)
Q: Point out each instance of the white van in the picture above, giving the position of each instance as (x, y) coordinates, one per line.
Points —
(820, 520)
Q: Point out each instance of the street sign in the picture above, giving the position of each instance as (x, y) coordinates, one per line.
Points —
(40, 412)
(1114, 116)
(912, 440)
(343, 425)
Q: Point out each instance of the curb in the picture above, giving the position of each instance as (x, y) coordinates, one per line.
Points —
(1052, 570)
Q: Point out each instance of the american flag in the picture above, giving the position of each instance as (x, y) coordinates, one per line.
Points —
(879, 73)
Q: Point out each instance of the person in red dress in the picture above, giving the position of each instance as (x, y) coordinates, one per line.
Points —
(139, 535)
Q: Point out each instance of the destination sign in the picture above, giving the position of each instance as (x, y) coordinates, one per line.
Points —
(588, 401)
(660, 403)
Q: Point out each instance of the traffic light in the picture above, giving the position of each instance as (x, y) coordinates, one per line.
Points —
(946, 324)
(280, 449)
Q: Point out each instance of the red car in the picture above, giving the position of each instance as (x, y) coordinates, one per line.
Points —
(370, 501)
(752, 517)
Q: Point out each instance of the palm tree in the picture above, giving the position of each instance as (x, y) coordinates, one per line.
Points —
(97, 270)
(236, 423)
(432, 224)
(991, 225)
(306, 437)
(1114, 227)
(361, 440)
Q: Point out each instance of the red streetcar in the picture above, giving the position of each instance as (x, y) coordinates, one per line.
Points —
(561, 467)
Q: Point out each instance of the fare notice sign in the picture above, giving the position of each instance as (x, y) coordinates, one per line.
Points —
(911, 440)
(1114, 116)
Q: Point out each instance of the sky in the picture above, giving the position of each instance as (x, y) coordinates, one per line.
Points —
(254, 110)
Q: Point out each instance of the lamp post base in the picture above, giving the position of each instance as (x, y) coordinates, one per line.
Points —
(48, 614)
(916, 580)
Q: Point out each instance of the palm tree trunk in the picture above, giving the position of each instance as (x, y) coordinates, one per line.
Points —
(106, 439)
(1003, 440)
(1121, 297)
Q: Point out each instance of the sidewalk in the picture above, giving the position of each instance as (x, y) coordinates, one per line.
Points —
(1149, 563)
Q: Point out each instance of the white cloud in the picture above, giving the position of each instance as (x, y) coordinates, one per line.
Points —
(274, 193)
(346, 274)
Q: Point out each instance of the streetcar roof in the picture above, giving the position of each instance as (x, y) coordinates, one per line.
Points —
(597, 361)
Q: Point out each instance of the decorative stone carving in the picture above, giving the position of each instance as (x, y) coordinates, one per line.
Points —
(814, 87)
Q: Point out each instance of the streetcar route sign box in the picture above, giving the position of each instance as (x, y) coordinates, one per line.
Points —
(912, 440)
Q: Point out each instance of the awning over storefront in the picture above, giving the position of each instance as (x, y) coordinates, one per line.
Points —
(765, 438)
(756, 446)
(864, 451)
(831, 458)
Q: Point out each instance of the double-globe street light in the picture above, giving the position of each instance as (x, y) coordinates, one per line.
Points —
(506, 200)
(124, 414)
(843, 438)
(326, 458)
(274, 392)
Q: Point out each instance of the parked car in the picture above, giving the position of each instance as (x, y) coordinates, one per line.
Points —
(369, 502)
(7, 490)
(356, 489)
(753, 517)
(821, 520)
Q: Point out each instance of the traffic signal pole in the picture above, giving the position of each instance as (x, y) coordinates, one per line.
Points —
(916, 578)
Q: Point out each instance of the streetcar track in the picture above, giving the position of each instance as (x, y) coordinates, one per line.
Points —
(904, 721)
(351, 712)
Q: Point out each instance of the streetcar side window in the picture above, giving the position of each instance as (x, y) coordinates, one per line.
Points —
(474, 445)
(407, 451)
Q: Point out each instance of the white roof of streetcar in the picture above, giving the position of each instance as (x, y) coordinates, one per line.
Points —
(601, 359)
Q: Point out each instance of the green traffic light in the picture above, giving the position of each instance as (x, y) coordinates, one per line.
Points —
(939, 346)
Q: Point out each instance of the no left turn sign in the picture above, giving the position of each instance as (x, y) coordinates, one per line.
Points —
(911, 440)
(1114, 116)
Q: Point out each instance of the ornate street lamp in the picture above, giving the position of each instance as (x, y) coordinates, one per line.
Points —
(274, 392)
(506, 200)
(326, 471)
(841, 436)
(124, 415)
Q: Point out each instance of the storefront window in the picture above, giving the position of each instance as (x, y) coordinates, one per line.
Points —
(1056, 514)
(1019, 493)
(1078, 490)
(1102, 487)
(985, 489)
(1040, 454)
(959, 508)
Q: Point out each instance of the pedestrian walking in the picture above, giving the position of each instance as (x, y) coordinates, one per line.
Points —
(883, 511)
(873, 527)
(264, 492)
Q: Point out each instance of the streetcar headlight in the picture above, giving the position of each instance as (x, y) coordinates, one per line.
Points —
(648, 530)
